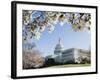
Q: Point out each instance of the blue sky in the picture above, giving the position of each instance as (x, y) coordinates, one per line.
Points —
(69, 39)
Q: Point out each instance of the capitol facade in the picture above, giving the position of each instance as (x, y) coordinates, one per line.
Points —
(71, 55)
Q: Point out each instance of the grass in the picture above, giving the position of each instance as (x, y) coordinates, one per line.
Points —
(70, 65)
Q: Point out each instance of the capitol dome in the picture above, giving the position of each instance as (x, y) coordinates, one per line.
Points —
(58, 48)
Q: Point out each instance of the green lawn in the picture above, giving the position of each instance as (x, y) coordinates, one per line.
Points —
(70, 65)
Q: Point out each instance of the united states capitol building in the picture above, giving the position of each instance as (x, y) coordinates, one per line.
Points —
(71, 55)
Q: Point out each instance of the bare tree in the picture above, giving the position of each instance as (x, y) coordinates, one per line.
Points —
(28, 45)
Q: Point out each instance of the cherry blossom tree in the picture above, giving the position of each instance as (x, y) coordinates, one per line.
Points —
(35, 22)
(32, 59)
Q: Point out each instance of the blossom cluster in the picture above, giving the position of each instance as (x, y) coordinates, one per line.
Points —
(35, 22)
